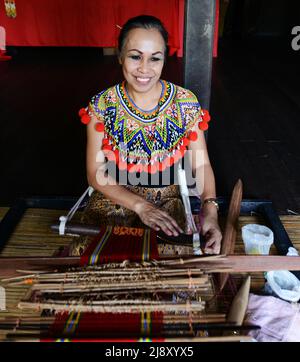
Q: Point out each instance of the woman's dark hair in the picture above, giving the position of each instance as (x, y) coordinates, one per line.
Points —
(143, 22)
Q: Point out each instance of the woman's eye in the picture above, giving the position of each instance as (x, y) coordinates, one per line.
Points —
(154, 59)
(135, 57)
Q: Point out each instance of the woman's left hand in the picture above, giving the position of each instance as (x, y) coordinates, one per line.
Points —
(208, 226)
(211, 231)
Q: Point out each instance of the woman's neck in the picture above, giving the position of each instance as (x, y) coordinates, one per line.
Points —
(145, 100)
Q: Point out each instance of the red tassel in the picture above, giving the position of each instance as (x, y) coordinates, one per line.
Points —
(206, 116)
(85, 119)
(182, 149)
(131, 168)
(116, 156)
(186, 141)
(82, 112)
(145, 168)
(122, 165)
(161, 166)
(110, 155)
(139, 167)
(177, 156)
(203, 126)
(105, 141)
(106, 147)
(152, 169)
(193, 136)
(99, 127)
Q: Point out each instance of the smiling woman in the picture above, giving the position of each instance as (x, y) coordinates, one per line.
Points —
(142, 59)
(143, 127)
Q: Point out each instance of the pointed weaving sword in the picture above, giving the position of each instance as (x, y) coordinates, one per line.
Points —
(231, 227)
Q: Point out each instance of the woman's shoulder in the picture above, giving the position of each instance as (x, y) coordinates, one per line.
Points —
(103, 99)
(191, 111)
(183, 94)
(107, 95)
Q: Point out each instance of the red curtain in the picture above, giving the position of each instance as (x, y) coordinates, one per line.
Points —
(84, 22)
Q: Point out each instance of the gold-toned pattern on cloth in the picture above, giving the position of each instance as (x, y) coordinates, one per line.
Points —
(102, 211)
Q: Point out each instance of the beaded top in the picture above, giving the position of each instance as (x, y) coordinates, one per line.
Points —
(147, 137)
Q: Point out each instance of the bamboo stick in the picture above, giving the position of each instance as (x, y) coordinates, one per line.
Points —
(129, 308)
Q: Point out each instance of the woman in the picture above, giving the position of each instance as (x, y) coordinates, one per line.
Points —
(143, 127)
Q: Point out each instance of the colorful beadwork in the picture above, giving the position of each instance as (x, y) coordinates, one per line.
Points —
(149, 140)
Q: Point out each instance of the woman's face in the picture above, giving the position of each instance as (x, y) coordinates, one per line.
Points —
(142, 59)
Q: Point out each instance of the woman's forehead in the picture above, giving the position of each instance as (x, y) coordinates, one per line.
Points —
(144, 40)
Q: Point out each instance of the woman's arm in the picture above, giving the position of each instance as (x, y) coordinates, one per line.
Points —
(205, 183)
(96, 167)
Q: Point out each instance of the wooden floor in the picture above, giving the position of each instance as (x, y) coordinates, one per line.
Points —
(254, 133)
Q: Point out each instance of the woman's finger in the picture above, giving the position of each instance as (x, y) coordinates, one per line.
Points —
(166, 227)
(176, 226)
(158, 219)
(168, 221)
(172, 221)
(212, 247)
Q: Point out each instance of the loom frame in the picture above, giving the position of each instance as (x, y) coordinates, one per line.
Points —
(262, 207)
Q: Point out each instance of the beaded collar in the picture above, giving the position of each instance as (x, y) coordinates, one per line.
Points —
(166, 96)
(148, 141)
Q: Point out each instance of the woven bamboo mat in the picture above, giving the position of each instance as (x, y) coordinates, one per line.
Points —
(33, 237)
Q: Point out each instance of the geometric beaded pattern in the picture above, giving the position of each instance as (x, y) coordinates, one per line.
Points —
(142, 136)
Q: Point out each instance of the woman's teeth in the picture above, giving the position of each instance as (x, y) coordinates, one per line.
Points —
(143, 80)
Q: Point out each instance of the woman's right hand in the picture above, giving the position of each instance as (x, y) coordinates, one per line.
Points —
(157, 219)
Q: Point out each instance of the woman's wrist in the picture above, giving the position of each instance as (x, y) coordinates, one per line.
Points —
(139, 205)
(210, 208)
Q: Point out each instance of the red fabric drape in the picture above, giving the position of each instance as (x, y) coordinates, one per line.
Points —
(83, 22)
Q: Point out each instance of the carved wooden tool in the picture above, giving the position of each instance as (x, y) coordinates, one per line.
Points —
(229, 237)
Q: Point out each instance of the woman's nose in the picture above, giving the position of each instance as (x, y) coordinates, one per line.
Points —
(143, 66)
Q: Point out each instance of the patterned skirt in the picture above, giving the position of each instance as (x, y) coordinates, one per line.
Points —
(102, 211)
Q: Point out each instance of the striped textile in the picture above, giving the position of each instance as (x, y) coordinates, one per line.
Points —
(72, 325)
(118, 243)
